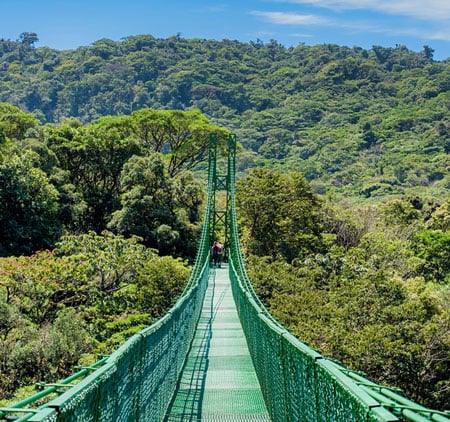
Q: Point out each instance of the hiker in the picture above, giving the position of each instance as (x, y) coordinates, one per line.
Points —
(217, 251)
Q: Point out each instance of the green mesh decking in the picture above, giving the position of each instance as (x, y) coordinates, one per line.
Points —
(218, 382)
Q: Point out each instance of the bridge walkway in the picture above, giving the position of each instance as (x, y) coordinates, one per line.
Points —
(218, 382)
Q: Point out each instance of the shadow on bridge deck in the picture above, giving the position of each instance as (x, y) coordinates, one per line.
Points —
(218, 382)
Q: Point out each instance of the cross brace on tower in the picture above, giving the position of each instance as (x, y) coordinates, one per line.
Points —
(220, 216)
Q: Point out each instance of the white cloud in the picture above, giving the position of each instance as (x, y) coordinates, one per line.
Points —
(438, 10)
(443, 35)
(435, 29)
(354, 26)
(297, 35)
(438, 35)
(290, 18)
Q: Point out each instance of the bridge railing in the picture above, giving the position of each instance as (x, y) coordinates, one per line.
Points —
(299, 384)
(138, 380)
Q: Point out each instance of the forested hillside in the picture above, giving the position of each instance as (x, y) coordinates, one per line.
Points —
(345, 220)
(368, 123)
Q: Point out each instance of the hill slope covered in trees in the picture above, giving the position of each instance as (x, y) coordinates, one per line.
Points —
(96, 144)
(368, 123)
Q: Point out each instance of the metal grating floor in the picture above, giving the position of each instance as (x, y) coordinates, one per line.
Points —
(218, 382)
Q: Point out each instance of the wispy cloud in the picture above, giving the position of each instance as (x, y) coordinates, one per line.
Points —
(441, 35)
(283, 18)
(438, 10)
(297, 35)
(438, 35)
(219, 8)
(354, 26)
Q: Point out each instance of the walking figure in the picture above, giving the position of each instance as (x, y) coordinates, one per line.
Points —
(217, 251)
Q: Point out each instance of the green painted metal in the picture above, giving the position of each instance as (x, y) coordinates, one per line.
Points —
(220, 220)
(212, 166)
(196, 360)
(219, 381)
(45, 392)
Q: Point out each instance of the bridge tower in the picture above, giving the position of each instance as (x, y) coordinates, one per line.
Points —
(222, 183)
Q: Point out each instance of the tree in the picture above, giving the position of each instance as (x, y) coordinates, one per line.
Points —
(433, 246)
(428, 52)
(279, 214)
(113, 262)
(147, 201)
(93, 157)
(14, 122)
(182, 136)
(164, 211)
(440, 219)
(189, 196)
(29, 204)
(400, 212)
(28, 38)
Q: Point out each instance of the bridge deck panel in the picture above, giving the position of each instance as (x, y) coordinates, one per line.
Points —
(218, 382)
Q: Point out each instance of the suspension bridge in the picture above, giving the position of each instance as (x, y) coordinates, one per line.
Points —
(217, 355)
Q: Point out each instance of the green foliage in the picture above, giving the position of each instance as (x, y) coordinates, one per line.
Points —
(73, 177)
(400, 212)
(93, 158)
(434, 248)
(279, 213)
(393, 329)
(147, 200)
(71, 339)
(149, 204)
(14, 122)
(375, 296)
(360, 122)
(88, 295)
(365, 123)
(440, 220)
(28, 38)
(184, 136)
(159, 282)
(29, 207)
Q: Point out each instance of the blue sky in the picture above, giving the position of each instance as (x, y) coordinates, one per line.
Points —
(66, 24)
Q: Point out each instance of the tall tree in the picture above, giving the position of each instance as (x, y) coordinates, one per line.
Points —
(14, 122)
(29, 207)
(147, 203)
(182, 136)
(94, 156)
(279, 214)
(28, 38)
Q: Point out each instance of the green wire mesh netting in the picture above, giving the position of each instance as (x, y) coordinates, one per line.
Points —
(138, 381)
(219, 382)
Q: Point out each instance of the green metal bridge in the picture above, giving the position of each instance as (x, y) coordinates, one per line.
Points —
(217, 355)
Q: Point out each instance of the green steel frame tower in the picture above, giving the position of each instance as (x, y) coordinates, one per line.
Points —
(220, 217)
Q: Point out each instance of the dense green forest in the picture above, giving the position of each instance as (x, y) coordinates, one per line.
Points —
(98, 224)
(343, 198)
(366, 285)
(366, 123)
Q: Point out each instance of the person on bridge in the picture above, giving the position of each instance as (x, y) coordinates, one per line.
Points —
(217, 251)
